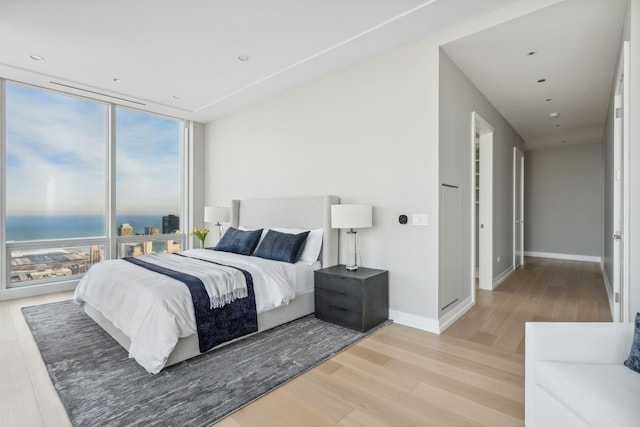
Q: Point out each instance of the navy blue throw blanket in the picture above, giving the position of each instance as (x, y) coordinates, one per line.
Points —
(218, 325)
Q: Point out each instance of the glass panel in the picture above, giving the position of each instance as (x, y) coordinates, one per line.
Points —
(148, 247)
(55, 165)
(147, 173)
(27, 265)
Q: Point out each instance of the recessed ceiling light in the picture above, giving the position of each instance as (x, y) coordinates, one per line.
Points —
(243, 58)
(553, 115)
(542, 80)
(37, 58)
(175, 96)
(533, 52)
(116, 80)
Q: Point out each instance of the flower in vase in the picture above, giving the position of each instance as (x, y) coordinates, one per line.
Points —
(201, 234)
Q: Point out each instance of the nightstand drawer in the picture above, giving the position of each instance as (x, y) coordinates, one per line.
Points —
(337, 299)
(339, 315)
(341, 284)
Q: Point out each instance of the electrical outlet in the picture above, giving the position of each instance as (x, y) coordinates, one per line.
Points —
(420, 219)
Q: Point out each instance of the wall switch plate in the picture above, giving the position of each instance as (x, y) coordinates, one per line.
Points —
(420, 219)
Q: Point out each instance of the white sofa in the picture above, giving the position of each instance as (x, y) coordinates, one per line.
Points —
(574, 375)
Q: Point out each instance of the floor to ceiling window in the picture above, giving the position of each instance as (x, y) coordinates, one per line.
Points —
(62, 211)
(147, 182)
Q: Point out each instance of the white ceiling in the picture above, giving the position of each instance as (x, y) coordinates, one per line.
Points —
(159, 49)
(576, 44)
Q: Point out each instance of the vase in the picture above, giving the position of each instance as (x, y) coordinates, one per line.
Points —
(202, 244)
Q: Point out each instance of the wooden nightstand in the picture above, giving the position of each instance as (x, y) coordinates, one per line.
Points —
(356, 299)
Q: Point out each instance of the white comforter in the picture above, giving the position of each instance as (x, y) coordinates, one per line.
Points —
(154, 310)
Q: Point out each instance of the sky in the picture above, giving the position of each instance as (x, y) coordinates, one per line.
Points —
(56, 151)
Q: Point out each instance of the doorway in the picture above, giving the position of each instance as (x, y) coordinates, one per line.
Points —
(482, 203)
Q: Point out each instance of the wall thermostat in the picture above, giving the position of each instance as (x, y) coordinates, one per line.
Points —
(402, 219)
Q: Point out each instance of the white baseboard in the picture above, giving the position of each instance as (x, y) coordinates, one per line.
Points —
(448, 319)
(418, 322)
(431, 325)
(569, 257)
(503, 276)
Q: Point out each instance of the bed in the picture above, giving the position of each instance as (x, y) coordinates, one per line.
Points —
(310, 213)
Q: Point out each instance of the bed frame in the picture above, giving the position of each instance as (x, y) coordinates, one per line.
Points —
(307, 213)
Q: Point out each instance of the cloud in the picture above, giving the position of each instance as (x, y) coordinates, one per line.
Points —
(57, 144)
(147, 159)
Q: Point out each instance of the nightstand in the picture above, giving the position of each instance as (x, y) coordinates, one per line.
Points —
(356, 299)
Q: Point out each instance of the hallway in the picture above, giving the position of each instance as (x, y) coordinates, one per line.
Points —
(543, 290)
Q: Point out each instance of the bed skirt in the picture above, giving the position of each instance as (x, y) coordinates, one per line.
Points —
(188, 347)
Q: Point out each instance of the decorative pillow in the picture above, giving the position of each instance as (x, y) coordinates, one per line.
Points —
(311, 247)
(264, 232)
(633, 361)
(239, 241)
(281, 246)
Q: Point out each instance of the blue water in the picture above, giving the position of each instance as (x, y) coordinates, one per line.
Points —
(43, 227)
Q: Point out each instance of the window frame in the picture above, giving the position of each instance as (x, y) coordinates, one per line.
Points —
(111, 240)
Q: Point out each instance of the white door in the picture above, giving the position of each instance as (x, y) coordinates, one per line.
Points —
(518, 208)
(620, 191)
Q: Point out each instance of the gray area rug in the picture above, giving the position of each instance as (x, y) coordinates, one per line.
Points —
(100, 386)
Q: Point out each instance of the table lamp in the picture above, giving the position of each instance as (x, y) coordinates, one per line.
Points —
(351, 217)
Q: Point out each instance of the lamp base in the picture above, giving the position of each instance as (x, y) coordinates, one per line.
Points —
(217, 224)
(352, 261)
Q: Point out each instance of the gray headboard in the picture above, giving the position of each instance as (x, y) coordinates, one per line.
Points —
(308, 213)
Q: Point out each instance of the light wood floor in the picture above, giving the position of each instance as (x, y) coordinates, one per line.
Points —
(472, 375)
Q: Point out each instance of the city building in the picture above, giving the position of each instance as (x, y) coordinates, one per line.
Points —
(95, 254)
(170, 224)
(125, 230)
(173, 246)
(150, 231)
(30, 265)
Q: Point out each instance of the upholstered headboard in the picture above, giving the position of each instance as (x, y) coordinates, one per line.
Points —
(307, 213)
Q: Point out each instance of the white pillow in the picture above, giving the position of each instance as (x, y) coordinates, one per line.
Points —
(311, 247)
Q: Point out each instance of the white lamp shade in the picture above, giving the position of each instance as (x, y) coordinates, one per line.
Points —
(351, 216)
(218, 214)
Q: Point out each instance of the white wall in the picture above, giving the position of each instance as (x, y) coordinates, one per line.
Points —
(458, 99)
(563, 200)
(197, 182)
(366, 134)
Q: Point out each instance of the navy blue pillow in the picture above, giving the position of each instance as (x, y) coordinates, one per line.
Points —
(281, 246)
(239, 241)
(633, 361)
